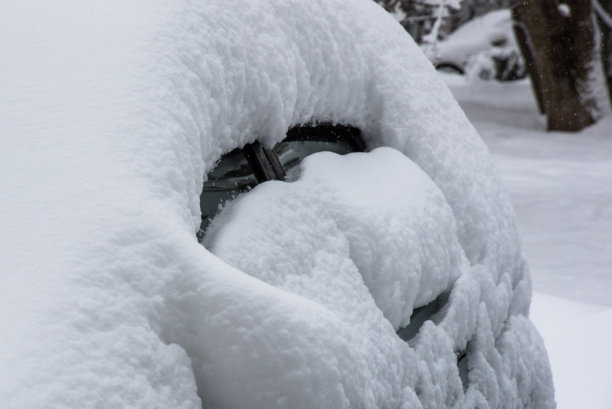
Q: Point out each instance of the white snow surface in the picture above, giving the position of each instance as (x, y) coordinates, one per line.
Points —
(560, 184)
(347, 214)
(113, 111)
(476, 36)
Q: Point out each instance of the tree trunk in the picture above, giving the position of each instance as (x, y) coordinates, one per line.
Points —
(560, 49)
(604, 17)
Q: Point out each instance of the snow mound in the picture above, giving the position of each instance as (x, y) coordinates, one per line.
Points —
(113, 111)
(347, 214)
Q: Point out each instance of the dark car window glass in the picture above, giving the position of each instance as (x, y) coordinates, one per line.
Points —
(291, 153)
(242, 169)
(427, 312)
(231, 176)
(419, 316)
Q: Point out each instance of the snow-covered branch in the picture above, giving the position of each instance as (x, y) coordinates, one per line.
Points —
(602, 13)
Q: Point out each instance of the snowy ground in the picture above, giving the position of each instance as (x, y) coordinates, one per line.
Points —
(561, 186)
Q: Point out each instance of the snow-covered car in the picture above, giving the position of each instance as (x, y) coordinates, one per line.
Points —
(356, 248)
(484, 45)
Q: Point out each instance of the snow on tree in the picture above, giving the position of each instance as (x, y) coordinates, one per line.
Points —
(419, 17)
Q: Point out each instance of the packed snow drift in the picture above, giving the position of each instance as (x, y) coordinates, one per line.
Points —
(561, 191)
(113, 112)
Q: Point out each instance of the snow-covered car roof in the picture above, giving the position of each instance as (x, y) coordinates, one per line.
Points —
(113, 112)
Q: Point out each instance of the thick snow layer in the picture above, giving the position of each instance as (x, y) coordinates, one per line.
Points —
(397, 241)
(112, 112)
(560, 186)
(578, 338)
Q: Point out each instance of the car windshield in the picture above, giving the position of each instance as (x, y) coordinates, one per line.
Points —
(231, 176)
(242, 169)
(291, 153)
